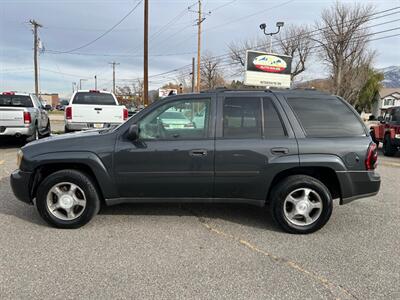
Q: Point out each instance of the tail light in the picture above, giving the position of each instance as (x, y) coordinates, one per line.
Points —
(125, 114)
(27, 118)
(68, 113)
(371, 159)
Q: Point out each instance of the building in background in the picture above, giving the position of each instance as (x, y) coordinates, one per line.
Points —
(51, 99)
(388, 97)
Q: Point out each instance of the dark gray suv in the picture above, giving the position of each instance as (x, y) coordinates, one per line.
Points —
(292, 151)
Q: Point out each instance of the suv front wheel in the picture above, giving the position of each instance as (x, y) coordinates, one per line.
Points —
(67, 199)
(300, 204)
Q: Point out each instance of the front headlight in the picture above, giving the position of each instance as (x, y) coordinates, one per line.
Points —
(20, 156)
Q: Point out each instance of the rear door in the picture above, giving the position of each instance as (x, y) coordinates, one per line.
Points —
(254, 143)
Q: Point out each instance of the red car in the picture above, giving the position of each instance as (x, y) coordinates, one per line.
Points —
(388, 131)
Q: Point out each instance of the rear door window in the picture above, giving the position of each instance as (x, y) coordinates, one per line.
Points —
(16, 101)
(326, 116)
(242, 118)
(93, 98)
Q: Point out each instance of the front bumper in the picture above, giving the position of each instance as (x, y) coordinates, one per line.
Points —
(87, 126)
(21, 185)
(15, 131)
(358, 184)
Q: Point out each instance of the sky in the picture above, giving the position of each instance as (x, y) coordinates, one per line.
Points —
(69, 24)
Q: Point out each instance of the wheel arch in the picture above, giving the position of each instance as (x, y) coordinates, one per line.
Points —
(89, 164)
(326, 175)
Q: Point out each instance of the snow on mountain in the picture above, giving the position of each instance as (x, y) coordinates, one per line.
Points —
(392, 76)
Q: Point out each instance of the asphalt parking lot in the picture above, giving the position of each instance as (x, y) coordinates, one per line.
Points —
(201, 251)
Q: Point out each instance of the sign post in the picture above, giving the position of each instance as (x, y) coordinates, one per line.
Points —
(267, 69)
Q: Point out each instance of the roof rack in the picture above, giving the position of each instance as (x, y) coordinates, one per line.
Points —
(225, 89)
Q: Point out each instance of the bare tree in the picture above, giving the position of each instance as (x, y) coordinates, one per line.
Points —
(296, 42)
(211, 76)
(344, 44)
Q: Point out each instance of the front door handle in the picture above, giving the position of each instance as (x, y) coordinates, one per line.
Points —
(279, 151)
(198, 152)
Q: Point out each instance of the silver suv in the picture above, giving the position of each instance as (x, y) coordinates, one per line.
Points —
(23, 115)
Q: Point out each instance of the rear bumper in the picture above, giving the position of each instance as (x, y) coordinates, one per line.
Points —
(74, 126)
(358, 184)
(20, 184)
(15, 131)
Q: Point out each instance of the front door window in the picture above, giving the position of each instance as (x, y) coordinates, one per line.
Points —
(182, 119)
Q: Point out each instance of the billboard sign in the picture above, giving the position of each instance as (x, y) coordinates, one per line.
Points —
(267, 69)
(167, 92)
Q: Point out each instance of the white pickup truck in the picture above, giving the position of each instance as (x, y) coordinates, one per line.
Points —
(23, 115)
(93, 109)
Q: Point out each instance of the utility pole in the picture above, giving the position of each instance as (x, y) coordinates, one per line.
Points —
(113, 65)
(199, 46)
(73, 87)
(146, 54)
(35, 26)
(192, 74)
(95, 82)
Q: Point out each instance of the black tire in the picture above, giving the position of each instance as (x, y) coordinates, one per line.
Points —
(47, 131)
(78, 178)
(33, 137)
(388, 148)
(289, 185)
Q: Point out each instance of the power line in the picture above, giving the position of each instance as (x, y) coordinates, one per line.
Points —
(106, 32)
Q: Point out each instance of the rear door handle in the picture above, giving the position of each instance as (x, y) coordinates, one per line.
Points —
(279, 151)
(198, 152)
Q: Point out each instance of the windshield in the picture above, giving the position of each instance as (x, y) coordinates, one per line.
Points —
(14, 100)
(93, 98)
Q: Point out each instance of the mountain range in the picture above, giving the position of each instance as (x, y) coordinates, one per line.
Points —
(391, 76)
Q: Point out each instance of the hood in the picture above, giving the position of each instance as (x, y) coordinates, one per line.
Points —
(92, 140)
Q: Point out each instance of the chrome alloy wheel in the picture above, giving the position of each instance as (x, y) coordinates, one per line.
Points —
(302, 207)
(66, 201)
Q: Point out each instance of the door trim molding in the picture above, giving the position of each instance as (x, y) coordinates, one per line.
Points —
(116, 201)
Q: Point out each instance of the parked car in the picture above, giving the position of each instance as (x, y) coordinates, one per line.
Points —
(175, 119)
(93, 109)
(23, 115)
(292, 151)
(387, 131)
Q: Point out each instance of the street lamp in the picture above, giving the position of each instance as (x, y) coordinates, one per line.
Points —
(263, 26)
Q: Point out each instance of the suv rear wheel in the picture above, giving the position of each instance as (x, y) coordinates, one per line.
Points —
(67, 199)
(300, 204)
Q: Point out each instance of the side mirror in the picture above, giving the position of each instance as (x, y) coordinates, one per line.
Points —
(47, 107)
(380, 119)
(133, 132)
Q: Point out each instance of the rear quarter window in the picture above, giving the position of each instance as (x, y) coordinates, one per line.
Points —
(326, 117)
(93, 99)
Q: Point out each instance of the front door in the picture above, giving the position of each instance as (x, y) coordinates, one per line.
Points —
(253, 144)
(174, 155)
